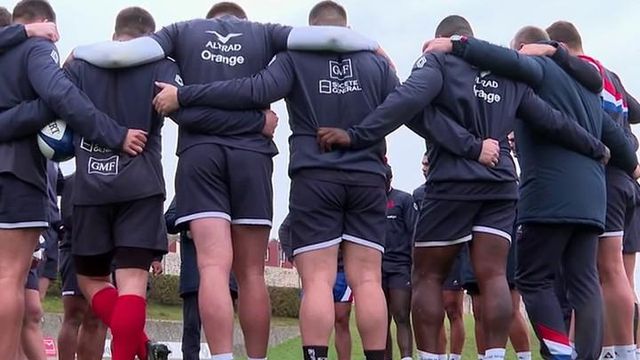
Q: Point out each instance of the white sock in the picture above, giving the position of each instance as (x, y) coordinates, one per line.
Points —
(423, 355)
(228, 356)
(442, 356)
(637, 354)
(494, 354)
(480, 356)
(455, 356)
(625, 352)
(608, 353)
(524, 355)
(407, 358)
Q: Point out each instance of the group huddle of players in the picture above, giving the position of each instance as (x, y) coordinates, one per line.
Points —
(573, 203)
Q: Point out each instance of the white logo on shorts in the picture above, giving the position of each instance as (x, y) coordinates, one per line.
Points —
(108, 166)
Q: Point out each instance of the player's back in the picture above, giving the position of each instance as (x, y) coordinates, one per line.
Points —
(335, 90)
(22, 157)
(224, 48)
(486, 105)
(126, 95)
(554, 179)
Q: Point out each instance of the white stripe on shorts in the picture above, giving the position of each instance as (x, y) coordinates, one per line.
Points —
(24, 225)
(346, 296)
(318, 246)
(363, 242)
(490, 230)
(612, 234)
(443, 243)
(262, 222)
(203, 215)
(69, 293)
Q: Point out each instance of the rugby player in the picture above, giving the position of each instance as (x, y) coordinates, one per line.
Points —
(35, 73)
(621, 220)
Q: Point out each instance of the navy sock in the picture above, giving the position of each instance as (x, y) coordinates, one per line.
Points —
(315, 352)
(374, 354)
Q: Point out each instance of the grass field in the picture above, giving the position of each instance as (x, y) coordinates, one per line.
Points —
(291, 350)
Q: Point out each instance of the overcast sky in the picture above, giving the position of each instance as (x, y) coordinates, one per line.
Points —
(401, 26)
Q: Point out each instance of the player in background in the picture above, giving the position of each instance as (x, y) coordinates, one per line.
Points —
(230, 224)
(552, 233)
(489, 212)
(396, 267)
(48, 268)
(618, 294)
(82, 334)
(5, 17)
(35, 75)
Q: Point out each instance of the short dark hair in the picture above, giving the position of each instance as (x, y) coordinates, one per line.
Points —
(5, 17)
(31, 10)
(135, 22)
(226, 8)
(530, 35)
(454, 25)
(565, 32)
(328, 13)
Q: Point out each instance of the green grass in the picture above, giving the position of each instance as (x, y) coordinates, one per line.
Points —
(53, 304)
(291, 350)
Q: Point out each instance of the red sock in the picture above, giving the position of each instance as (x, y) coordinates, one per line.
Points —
(127, 327)
(142, 347)
(103, 303)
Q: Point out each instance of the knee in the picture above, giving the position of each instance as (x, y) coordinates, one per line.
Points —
(401, 317)
(342, 320)
(454, 311)
(73, 318)
(33, 313)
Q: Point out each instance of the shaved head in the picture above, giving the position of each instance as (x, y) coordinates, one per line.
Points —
(5, 17)
(454, 25)
(528, 35)
(566, 33)
(328, 13)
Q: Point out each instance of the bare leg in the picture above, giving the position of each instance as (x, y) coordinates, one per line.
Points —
(32, 339)
(453, 303)
(318, 273)
(363, 269)
(16, 249)
(254, 307)
(343, 333)
(212, 238)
